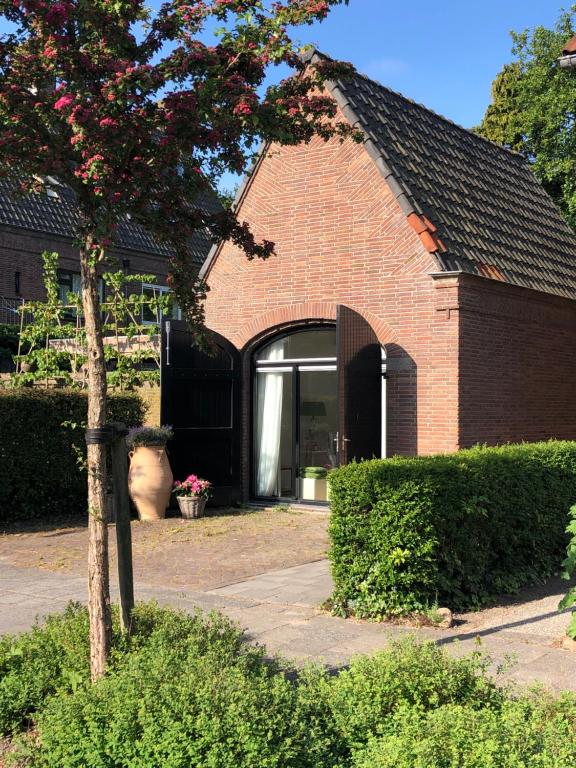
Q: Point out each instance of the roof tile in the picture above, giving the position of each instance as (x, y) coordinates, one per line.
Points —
(488, 210)
(59, 216)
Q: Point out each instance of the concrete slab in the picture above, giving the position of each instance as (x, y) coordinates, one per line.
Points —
(280, 610)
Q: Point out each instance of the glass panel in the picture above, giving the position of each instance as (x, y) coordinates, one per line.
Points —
(148, 312)
(318, 425)
(152, 315)
(274, 445)
(302, 345)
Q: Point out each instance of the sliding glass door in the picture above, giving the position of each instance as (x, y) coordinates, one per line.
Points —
(295, 416)
(274, 455)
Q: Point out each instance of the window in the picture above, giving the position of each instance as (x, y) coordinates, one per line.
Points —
(149, 316)
(70, 282)
(295, 413)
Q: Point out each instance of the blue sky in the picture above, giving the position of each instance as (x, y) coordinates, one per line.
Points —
(443, 54)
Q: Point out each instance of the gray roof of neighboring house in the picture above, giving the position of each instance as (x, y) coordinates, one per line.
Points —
(482, 208)
(58, 216)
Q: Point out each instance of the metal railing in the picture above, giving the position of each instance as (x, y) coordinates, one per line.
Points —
(10, 311)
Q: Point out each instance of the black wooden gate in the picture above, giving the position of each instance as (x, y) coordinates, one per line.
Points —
(359, 387)
(200, 398)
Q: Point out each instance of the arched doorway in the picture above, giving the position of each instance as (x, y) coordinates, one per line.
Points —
(253, 420)
(295, 414)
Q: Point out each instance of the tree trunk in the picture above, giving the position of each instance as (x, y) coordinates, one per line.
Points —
(98, 571)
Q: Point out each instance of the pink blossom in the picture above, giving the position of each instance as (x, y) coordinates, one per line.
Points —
(64, 102)
(242, 109)
(108, 122)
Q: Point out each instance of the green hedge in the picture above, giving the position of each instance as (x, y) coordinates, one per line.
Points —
(523, 734)
(40, 475)
(456, 529)
(192, 691)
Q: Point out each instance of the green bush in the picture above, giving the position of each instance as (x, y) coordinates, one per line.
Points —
(55, 657)
(408, 673)
(40, 475)
(522, 734)
(458, 529)
(36, 664)
(188, 691)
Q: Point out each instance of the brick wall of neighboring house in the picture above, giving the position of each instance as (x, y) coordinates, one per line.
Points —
(20, 251)
(341, 237)
(517, 364)
(150, 393)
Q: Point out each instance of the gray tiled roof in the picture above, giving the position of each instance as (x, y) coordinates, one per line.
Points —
(58, 216)
(488, 208)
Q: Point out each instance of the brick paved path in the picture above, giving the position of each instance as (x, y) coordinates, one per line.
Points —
(280, 610)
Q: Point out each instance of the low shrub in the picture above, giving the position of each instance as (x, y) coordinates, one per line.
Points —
(455, 529)
(407, 674)
(189, 691)
(54, 657)
(36, 664)
(522, 734)
(40, 475)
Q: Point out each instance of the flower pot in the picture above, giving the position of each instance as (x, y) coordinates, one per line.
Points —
(314, 489)
(150, 481)
(191, 507)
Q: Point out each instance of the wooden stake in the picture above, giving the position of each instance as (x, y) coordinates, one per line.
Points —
(123, 530)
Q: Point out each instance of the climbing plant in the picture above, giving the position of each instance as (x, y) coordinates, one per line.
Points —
(55, 339)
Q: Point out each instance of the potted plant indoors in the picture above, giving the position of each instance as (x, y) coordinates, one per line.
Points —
(314, 485)
(150, 477)
(192, 495)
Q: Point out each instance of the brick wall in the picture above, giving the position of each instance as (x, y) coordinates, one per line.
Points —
(517, 364)
(20, 251)
(342, 238)
(150, 393)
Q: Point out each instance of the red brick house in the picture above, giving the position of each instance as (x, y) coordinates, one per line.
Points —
(421, 299)
(32, 224)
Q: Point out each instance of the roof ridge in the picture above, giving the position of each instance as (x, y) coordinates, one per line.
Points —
(423, 107)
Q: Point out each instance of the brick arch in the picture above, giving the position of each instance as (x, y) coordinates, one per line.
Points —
(310, 311)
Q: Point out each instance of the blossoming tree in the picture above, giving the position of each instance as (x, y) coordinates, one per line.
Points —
(138, 115)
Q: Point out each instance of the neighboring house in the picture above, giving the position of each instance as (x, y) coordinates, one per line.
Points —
(422, 299)
(32, 224)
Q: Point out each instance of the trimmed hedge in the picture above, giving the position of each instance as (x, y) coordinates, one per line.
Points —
(455, 529)
(40, 474)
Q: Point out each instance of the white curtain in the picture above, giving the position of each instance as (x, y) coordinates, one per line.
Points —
(270, 392)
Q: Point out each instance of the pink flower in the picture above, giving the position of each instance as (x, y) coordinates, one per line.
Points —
(108, 122)
(64, 102)
(242, 109)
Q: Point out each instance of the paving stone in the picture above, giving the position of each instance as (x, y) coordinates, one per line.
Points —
(280, 611)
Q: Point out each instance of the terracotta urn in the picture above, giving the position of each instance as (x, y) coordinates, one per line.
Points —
(150, 481)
